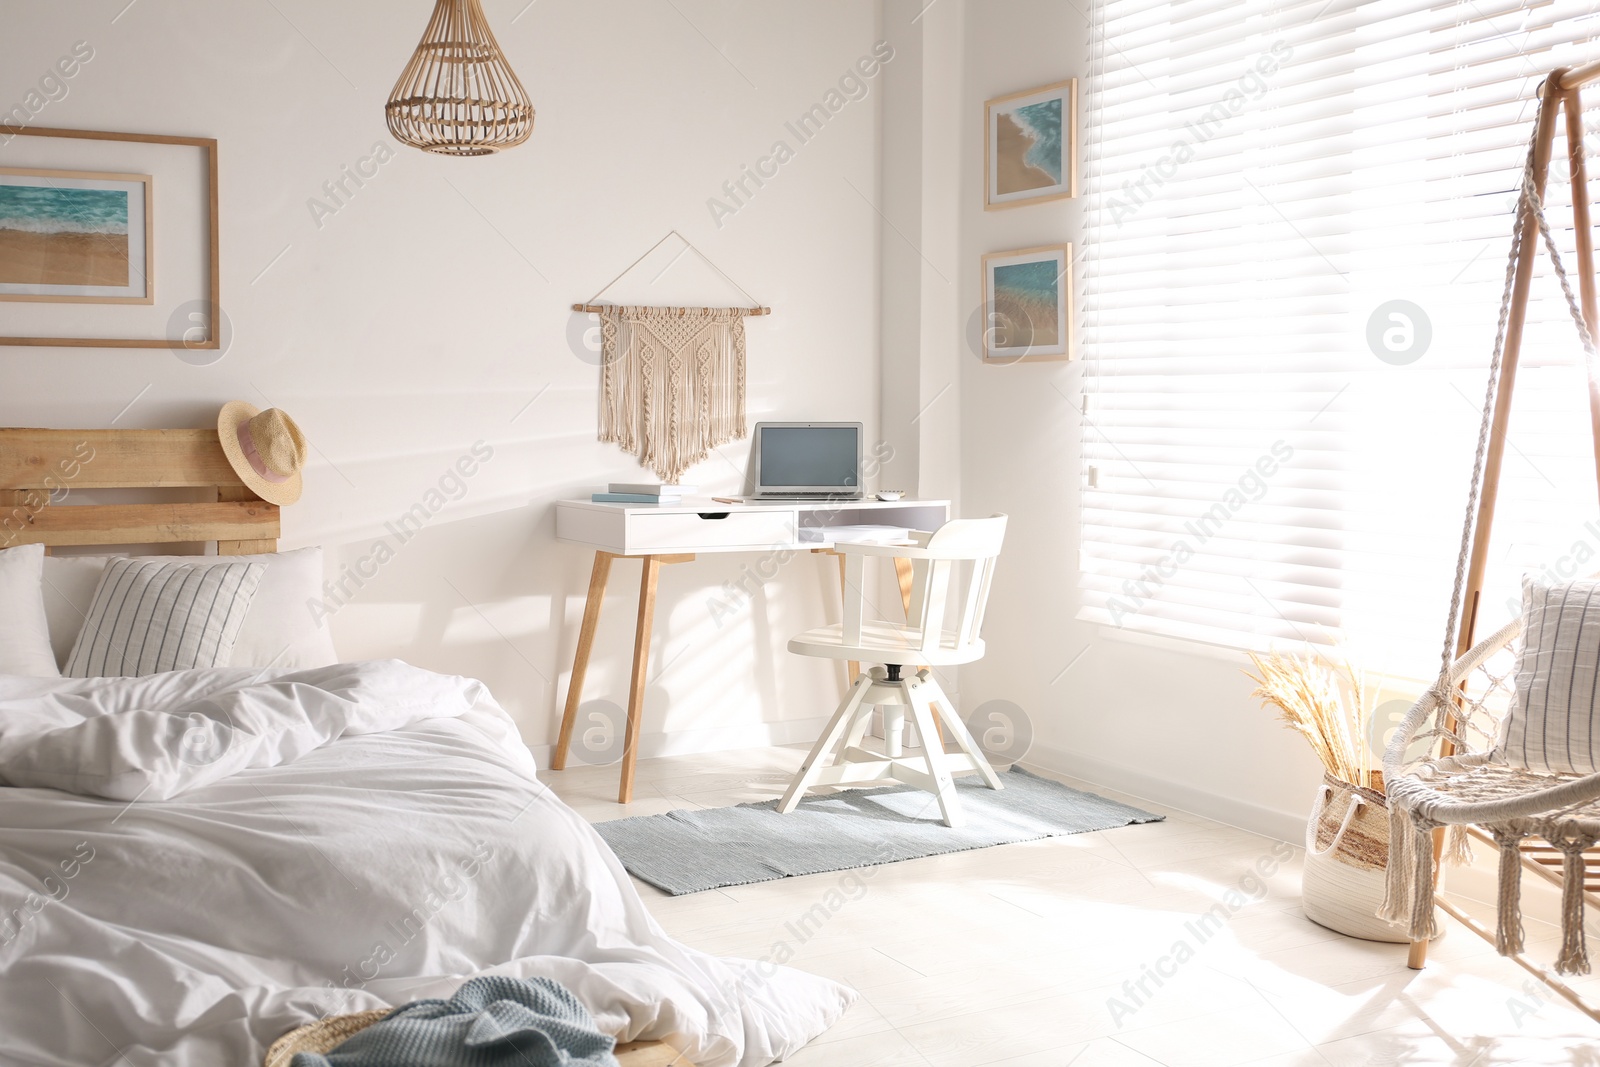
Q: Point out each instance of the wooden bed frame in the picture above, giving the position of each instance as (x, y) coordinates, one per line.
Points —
(41, 468)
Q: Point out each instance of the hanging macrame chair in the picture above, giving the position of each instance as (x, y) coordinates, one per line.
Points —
(1458, 787)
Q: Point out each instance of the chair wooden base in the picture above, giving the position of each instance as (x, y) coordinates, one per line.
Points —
(917, 696)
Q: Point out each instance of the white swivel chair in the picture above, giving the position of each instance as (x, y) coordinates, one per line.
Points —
(950, 567)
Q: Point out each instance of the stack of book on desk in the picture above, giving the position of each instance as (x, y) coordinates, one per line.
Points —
(629, 493)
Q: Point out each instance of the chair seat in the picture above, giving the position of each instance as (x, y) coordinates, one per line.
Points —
(883, 642)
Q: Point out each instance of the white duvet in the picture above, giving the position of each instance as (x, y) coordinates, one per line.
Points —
(192, 864)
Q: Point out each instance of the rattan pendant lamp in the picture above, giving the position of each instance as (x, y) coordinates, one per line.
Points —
(458, 96)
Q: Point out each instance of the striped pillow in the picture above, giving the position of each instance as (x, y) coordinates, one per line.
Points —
(1554, 724)
(151, 616)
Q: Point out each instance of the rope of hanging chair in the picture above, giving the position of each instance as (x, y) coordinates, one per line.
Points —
(1529, 204)
(1417, 794)
(1467, 787)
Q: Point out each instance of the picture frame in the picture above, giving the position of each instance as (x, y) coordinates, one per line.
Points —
(74, 236)
(181, 240)
(1030, 146)
(1028, 306)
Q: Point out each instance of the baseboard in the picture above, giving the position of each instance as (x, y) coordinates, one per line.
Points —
(1278, 825)
(717, 739)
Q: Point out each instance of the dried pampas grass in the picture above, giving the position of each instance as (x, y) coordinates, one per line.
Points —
(1325, 703)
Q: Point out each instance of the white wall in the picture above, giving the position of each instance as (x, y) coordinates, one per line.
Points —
(921, 239)
(432, 310)
(1171, 721)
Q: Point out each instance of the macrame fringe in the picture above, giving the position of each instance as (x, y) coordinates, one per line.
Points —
(1574, 957)
(618, 389)
(1457, 847)
(672, 383)
(1424, 921)
(1396, 907)
(1509, 934)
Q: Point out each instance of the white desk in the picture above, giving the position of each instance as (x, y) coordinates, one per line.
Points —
(675, 533)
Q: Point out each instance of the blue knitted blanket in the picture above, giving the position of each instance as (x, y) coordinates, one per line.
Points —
(491, 1021)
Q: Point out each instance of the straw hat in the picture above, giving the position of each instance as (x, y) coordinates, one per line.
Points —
(266, 448)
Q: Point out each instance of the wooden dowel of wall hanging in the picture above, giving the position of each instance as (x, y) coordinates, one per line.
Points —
(605, 307)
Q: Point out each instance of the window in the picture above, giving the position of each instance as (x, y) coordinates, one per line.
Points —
(1299, 215)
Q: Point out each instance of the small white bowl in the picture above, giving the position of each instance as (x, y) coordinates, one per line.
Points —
(891, 494)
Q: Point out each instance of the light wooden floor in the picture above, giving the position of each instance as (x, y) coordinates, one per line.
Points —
(1010, 956)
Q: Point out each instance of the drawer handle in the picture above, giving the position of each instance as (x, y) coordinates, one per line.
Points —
(713, 514)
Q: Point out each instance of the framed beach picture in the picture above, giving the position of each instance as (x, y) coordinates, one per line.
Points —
(1030, 142)
(1027, 304)
(89, 221)
(69, 236)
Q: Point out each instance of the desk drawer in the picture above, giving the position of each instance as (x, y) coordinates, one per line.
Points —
(651, 532)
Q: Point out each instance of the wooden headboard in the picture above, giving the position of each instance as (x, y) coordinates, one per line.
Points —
(38, 464)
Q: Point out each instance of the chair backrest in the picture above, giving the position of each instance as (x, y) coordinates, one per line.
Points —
(960, 550)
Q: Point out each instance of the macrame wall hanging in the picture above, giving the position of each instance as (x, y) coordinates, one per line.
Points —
(672, 379)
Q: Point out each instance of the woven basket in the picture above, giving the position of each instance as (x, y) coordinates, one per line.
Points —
(1347, 849)
(320, 1036)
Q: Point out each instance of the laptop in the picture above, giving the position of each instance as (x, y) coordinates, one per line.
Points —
(806, 461)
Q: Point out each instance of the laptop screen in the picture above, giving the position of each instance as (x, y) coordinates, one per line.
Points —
(810, 457)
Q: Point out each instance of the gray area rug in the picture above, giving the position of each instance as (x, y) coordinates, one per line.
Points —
(692, 851)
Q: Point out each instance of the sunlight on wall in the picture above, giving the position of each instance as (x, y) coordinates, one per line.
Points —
(422, 335)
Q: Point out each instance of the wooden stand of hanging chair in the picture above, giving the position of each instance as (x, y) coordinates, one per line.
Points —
(1459, 791)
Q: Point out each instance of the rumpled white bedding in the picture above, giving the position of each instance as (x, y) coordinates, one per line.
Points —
(192, 864)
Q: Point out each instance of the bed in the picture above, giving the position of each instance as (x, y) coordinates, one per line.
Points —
(194, 863)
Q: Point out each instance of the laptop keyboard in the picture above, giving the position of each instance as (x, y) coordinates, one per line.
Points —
(807, 496)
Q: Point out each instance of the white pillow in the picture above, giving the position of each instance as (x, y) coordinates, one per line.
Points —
(1554, 723)
(24, 631)
(280, 631)
(150, 617)
(69, 585)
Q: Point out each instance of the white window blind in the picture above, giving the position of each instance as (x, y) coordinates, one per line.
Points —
(1262, 179)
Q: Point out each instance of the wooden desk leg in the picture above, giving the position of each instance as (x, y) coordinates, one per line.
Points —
(902, 571)
(904, 575)
(580, 659)
(851, 666)
(641, 669)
